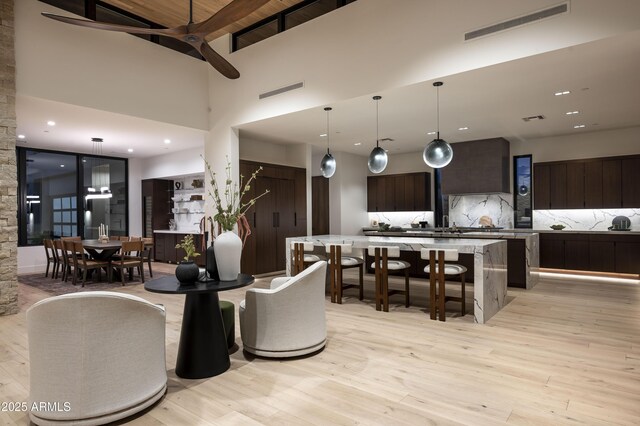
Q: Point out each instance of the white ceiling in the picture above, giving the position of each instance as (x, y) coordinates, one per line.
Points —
(603, 77)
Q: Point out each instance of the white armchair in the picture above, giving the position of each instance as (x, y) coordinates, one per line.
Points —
(102, 353)
(289, 318)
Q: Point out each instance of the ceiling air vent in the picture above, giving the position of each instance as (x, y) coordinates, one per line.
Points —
(533, 118)
(516, 22)
(386, 140)
(281, 90)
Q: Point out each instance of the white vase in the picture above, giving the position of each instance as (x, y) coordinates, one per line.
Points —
(228, 249)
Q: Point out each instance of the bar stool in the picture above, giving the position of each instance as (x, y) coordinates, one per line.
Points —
(383, 266)
(437, 272)
(302, 260)
(336, 267)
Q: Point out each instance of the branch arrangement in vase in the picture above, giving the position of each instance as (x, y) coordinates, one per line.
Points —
(189, 248)
(230, 206)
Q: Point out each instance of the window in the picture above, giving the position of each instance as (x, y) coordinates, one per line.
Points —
(522, 196)
(52, 189)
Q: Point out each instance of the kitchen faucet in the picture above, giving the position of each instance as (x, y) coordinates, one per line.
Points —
(444, 217)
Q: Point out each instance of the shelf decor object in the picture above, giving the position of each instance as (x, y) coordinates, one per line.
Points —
(328, 164)
(438, 153)
(378, 158)
(230, 211)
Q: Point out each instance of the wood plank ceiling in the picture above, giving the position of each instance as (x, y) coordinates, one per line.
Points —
(172, 13)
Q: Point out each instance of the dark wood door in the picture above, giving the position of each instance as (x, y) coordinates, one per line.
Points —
(389, 193)
(575, 185)
(541, 187)
(593, 184)
(601, 254)
(422, 192)
(400, 203)
(627, 251)
(516, 267)
(320, 205)
(558, 190)
(630, 174)
(611, 184)
(248, 260)
(265, 227)
(285, 222)
(409, 193)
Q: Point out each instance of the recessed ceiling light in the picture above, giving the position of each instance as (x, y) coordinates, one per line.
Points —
(358, 143)
(61, 165)
(167, 141)
(324, 135)
(572, 112)
(21, 136)
(130, 150)
(463, 128)
(431, 133)
(564, 92)
(578, 126)
(51, 123)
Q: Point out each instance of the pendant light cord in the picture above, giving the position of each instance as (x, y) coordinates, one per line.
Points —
(377, 124)
(438, 111)
(328, 134)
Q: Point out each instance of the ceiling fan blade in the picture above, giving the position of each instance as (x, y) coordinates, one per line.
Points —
(229, 14)
(218, 62)
(171, 32)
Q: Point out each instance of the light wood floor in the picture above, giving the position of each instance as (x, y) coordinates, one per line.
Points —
(566, 352)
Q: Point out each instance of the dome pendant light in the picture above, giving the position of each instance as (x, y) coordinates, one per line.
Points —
(438, 153)
(378, 158)
(328, 164)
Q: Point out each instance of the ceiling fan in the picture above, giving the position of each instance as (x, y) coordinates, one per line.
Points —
(192, 33)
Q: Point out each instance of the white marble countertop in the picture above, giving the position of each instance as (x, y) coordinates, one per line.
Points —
(575, 231)
(466, 235)
(179, 231)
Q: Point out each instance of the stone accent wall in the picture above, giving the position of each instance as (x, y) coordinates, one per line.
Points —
(8, 173)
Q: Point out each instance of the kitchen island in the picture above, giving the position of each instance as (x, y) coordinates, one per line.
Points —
(489, 258)
(523, 250)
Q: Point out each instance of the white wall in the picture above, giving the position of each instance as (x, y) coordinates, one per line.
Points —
(135, 196)
(348, 195)
(293, 155)
(188, 161)
(105, 70)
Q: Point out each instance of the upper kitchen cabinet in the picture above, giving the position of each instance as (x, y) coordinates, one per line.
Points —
(594, 183)
(402, 192)
(478, 167)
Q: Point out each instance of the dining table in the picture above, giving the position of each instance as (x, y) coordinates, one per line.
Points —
(102, 250)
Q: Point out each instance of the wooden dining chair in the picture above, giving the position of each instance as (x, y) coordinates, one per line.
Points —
(69, 253)
(438, 270)
(383, 265)
(129, 259)
(76, 238)
(116, 238)
(147, 244)
(301, 259)
(52, 258)
(63, 260)
(84, 264)
(337, 264)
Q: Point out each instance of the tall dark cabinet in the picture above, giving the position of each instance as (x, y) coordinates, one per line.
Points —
(280, 214)
(156, 205)
(319, 205)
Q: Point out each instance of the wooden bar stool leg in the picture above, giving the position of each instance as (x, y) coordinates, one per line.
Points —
(406, 287)
(378, 274)
(361, 290)
(339, 274)
(385, 282)
(462, 295)
(432, 286)
(332, 284)
(441, 287)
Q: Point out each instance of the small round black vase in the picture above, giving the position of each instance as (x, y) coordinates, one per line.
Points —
(187, 272)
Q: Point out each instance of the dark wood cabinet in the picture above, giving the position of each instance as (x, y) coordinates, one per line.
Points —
(402, 192)
(478, 167)
(541, 186)
(590, 252)
(319, 205)
(630, 176)
(280, 214)
(166, 251)
(156, 205)
(593, 183)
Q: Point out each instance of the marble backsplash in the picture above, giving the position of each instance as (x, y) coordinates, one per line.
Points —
(403, 219)
(584, 219)
(466, 210)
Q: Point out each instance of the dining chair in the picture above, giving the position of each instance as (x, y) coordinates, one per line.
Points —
(302, 260)
(383, 266)
(147, 243)
(52, 258)
(129, 258)
(63, 260)
(437, 270)
(116, 238)
(84, 264)
(69, 253)
(337, 264)
(76, 238)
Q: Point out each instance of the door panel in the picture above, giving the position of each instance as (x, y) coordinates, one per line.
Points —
(285, 219)
(265, 232)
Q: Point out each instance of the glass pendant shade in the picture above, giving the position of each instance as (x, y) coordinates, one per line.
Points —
(437, 154)
(378, 160)
(523, 190)
(328, 165)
